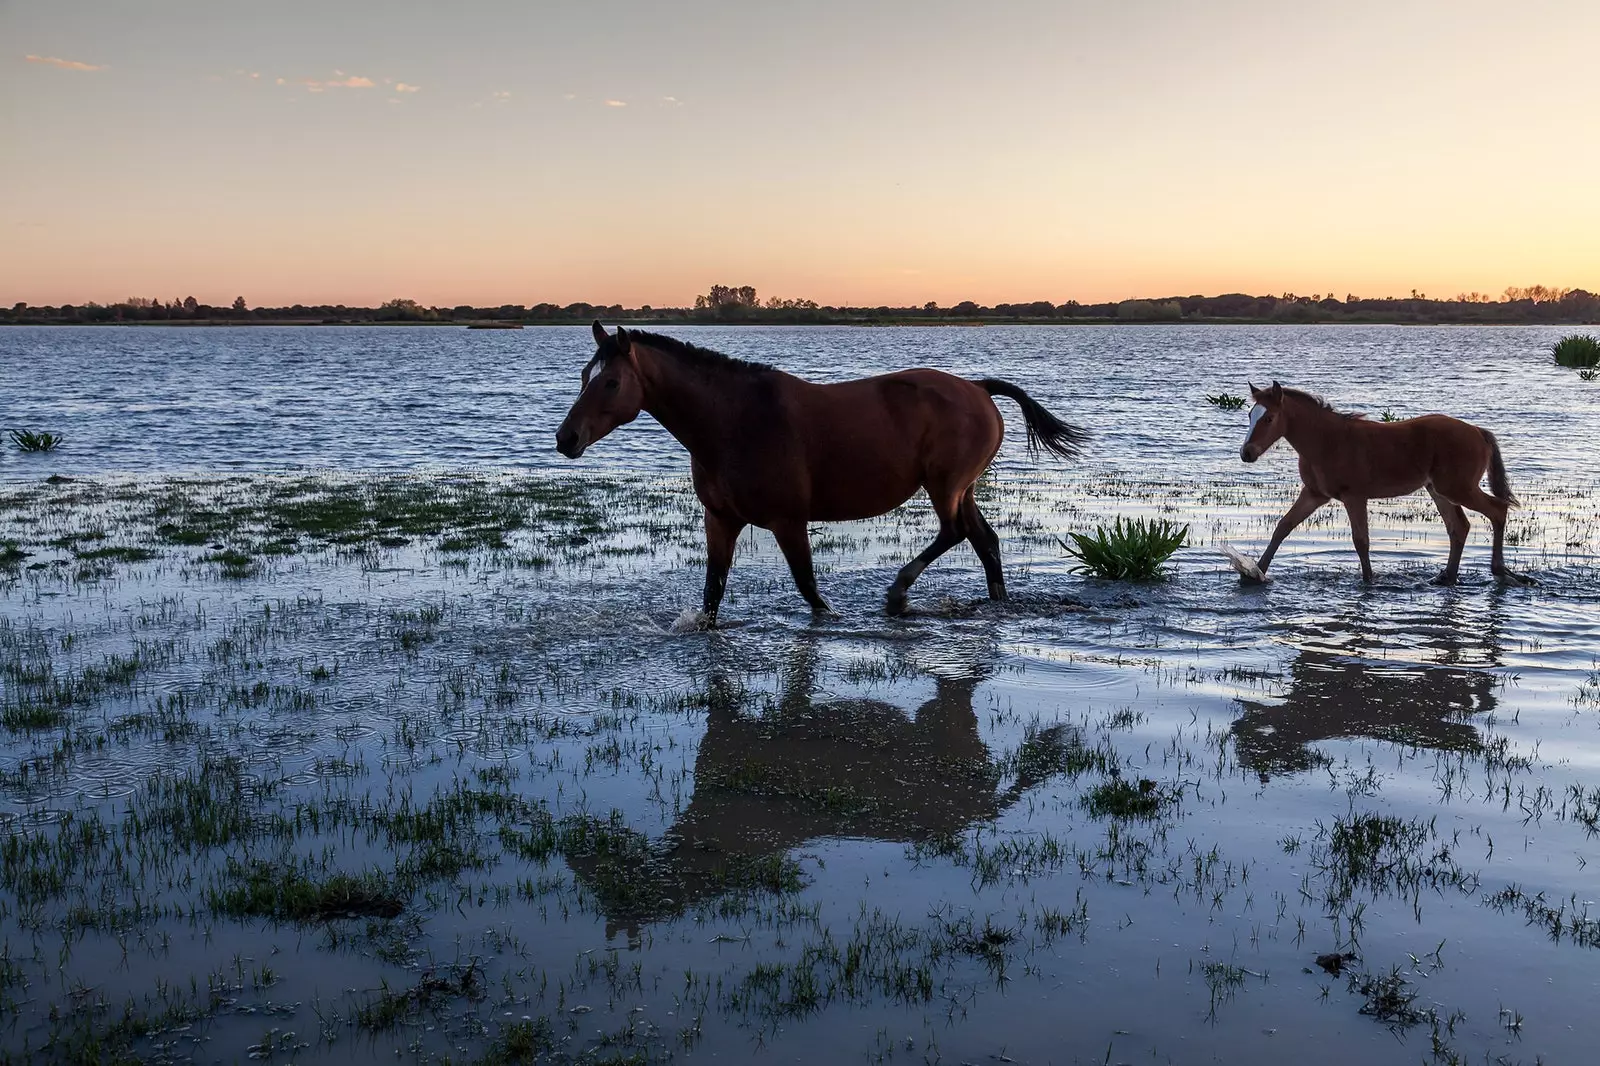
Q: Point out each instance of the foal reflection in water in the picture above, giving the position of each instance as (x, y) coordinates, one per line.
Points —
(1346, 458)
(770, 450)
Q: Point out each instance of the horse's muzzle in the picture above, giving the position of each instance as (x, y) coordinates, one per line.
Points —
(567, 443)
(1249, 454)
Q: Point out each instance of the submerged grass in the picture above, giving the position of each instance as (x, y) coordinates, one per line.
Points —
(1226, 401)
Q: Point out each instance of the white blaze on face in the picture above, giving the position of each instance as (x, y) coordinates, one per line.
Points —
(1256, 413)
(590, 368)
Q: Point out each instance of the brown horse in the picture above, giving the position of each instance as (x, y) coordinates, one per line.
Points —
(770, 450)
(1346, 458)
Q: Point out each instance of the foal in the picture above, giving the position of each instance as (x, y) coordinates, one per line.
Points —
(768, 449)
(1346, 458)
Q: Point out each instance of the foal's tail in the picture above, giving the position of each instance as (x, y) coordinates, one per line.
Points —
(1045, 430)
(1499, 483)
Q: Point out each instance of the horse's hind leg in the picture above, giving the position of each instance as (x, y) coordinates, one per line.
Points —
(1456, 525)
(985, 542)
(950, 534)
(795, 543)
(1495, 511)
(1357, 510)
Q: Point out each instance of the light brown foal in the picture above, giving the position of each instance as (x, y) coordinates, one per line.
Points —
(1344, 457)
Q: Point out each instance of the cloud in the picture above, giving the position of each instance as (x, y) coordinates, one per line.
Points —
(64, 64)
(672, 101)
(502, 96)
(340, 80)
(616, 103)
(402, 87)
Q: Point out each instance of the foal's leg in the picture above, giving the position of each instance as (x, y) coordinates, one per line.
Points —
(1495, 511)
(947, 507)
(1457, 526)
(795, 543)
(1298, 512)
(1357, 509)
(985, 542)
(722, 533)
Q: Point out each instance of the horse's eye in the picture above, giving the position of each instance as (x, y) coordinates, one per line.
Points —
(611, 384)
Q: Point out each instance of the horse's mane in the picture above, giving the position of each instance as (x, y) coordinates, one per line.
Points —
(1321, 404)
(695, 355)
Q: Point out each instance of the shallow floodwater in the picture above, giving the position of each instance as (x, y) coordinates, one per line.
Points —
(316, 604)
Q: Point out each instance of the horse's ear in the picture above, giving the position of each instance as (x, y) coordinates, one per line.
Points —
(1254, 392)
(1277, 391)
(623, 340)
(600, 336)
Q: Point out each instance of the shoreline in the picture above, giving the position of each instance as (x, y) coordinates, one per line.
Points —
(865, 323)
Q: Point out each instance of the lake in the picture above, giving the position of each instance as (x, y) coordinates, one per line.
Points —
(342, 718)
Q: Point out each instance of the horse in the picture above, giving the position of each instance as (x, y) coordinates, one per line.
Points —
(771, 450)
(1344, 457)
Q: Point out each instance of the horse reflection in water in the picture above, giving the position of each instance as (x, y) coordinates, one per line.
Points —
(808, 769)
(1348, 695)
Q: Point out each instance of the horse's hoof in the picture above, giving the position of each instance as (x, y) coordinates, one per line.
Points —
(895, 603)
(1444, 579)
(997, 592)
(1515, 578)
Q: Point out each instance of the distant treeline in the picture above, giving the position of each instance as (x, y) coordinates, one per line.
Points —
(731, 305)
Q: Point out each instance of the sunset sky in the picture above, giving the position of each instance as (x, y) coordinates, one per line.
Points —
(492, 151)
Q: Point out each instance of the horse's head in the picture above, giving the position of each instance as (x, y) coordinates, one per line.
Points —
(611, 394)
(1267, 422)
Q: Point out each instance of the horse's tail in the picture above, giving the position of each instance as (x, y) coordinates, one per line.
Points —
(1499, 483)
(1045, 430)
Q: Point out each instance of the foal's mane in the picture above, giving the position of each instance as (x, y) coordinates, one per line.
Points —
(1321, 404)
(696, 356)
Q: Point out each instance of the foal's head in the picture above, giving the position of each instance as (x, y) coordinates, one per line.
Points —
(611, 394)
(1267, 422)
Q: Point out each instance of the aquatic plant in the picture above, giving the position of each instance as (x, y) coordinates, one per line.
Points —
(1129, 550)
(1589, 374)
(1226, 401)
(30, 441)
(1388, 416)
(1579, 351)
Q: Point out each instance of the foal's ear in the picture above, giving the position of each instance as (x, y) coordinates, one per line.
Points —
(600, 335)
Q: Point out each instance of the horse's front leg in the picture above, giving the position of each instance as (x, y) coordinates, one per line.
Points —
(1298, 512)
(722, 533)
(795, 543)
(1357, 509)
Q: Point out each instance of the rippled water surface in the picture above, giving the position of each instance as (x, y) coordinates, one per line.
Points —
(308, 604)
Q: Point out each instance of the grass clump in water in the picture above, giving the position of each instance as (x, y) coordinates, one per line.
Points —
(1226, 401)
(29, 441)
(1117, 798)
(282, 893)
(1127, 551)
(233, 562)
(1578, 351)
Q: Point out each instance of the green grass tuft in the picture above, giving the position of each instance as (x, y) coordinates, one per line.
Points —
(1579, 351)
(1128, 551)
(1117, 798)
(1226, 401)
(30, 441)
